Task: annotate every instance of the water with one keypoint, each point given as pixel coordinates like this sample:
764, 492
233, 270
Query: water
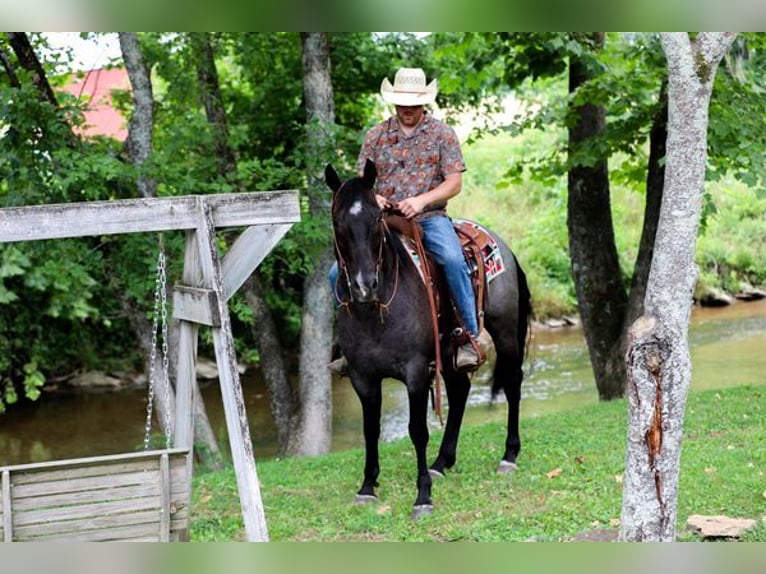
727, 347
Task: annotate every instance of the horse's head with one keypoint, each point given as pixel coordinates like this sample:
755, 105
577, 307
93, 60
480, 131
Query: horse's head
358, 226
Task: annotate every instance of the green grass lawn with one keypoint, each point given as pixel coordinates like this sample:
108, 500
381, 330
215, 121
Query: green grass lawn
569, 480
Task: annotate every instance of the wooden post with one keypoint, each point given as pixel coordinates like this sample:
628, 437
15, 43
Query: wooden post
231, 390
7, 508
186, 371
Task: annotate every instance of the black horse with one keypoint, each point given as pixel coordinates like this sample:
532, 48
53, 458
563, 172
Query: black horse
386, 330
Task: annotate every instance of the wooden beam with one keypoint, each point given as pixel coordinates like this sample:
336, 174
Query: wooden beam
250, 248
56, 221
237, 423
196, 305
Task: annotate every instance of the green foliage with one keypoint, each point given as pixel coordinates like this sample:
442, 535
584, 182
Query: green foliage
569, 481
732, 249
57, 299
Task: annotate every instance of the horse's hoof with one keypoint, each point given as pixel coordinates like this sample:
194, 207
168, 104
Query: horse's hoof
421, 510
365, 498
435, 473
506, 467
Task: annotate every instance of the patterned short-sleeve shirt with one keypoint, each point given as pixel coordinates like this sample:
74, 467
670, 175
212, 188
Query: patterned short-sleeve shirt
410, 165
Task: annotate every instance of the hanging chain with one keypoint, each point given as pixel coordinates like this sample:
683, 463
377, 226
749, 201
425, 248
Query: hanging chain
160, 313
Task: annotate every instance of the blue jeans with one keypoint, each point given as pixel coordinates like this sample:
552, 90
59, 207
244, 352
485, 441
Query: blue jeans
440, 240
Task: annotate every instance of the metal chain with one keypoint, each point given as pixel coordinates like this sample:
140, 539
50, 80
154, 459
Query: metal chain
160, 313
165, 370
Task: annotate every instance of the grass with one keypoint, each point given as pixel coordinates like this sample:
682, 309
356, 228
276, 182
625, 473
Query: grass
569, 481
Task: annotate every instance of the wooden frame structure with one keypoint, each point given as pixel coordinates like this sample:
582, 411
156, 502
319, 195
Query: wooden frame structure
201, 299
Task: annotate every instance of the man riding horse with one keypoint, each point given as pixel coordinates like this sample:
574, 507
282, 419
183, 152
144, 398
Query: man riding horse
419, 167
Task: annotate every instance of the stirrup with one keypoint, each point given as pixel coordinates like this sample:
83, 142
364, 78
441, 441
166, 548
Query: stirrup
468, 355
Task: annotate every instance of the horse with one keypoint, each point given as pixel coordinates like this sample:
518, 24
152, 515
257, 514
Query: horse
386, 331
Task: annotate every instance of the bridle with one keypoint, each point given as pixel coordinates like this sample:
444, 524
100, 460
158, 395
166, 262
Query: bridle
343, 267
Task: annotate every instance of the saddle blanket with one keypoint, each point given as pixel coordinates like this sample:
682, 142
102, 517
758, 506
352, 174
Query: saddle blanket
493, 259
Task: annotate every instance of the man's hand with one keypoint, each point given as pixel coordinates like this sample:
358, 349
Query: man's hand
411, 206
383, 203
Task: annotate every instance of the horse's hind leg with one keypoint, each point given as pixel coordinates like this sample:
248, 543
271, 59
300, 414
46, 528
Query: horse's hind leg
370, 395
457, 386
508, 369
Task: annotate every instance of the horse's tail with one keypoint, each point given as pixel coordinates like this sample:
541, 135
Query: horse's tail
523, 329
526, 313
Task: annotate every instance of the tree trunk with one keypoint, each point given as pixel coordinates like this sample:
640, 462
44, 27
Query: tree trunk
281, 396
272, 364
658, 362
601, 297
655, 178
314, 423
13, 79
210, 90
139, 148
28, 60
141, 124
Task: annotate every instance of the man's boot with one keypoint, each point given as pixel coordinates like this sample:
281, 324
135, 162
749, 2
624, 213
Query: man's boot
469, 354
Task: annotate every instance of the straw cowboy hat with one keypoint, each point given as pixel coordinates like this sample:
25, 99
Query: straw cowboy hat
409, 88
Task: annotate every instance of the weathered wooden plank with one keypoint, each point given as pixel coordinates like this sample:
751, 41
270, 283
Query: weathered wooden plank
250, 248
84, 525
7, 509
86, 496
31, 476
93, 461
231, 390
178, 475
139, 532
88, 483
196, 305
55, 221
95, 510
164, 499
186, 376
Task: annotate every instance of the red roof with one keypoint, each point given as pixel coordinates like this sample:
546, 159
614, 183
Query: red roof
100, 117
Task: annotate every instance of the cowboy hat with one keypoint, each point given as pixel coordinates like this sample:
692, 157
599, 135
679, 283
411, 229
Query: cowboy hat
409, 88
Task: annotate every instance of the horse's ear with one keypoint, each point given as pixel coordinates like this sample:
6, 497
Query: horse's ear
331, 178
370, 173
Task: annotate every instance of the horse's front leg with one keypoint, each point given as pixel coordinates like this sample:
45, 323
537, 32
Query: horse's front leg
418, 428
458, 386
370, 396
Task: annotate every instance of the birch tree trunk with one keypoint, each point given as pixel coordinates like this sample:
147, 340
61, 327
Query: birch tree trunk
313, 433
657, 360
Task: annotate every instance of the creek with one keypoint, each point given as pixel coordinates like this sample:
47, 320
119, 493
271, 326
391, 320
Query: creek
727, 347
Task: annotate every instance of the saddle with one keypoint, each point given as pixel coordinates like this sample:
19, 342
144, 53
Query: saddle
481, 253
